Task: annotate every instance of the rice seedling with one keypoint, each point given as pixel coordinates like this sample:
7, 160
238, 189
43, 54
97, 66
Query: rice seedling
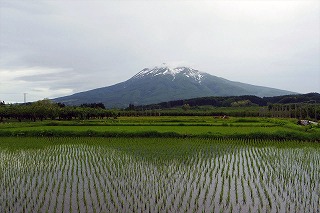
158, 175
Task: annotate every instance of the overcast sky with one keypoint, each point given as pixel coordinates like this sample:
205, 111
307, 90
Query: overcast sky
55, 48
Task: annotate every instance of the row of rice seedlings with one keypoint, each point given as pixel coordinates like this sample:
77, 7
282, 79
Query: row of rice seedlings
233, 176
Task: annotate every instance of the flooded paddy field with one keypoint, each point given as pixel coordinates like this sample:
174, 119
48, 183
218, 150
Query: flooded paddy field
158, 175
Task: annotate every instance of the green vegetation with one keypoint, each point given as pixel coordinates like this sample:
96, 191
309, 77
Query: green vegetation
293, 106
46, 109
165, 126
158, 175
243, 100
98, 160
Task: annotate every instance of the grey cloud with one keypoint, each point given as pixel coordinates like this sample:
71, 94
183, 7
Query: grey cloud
60, 76
105, 42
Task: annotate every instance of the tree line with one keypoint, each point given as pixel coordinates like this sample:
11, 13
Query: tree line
238, 106
300, 106
245, 100
46, 109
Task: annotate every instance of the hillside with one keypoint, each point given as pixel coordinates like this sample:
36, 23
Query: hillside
247, 100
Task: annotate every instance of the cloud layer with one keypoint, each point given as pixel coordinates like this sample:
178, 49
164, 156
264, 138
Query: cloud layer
55, 48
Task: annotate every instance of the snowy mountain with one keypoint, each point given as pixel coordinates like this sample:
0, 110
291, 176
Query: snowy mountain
158, 84
161, 71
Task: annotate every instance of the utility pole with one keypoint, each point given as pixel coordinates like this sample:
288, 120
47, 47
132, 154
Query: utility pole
25, 97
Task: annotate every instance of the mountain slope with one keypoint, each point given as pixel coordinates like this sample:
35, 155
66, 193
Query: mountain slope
164, 84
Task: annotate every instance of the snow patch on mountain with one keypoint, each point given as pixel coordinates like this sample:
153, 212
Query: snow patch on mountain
174, 72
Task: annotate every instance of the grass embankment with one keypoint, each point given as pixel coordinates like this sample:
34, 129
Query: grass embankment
174, 127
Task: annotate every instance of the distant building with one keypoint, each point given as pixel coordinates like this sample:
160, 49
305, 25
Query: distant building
306, 122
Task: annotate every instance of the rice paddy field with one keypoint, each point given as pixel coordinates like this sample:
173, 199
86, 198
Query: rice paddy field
165, 126
158, 175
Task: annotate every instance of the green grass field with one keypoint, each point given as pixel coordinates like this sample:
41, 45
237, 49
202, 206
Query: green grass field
184, 126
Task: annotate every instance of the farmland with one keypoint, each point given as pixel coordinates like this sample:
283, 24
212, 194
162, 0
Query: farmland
158, 175
160, 164
166, 126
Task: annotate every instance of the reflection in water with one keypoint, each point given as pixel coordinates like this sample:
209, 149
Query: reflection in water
187, 175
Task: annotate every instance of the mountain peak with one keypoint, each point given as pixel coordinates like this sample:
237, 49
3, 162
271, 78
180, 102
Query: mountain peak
165, 83
172, 71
